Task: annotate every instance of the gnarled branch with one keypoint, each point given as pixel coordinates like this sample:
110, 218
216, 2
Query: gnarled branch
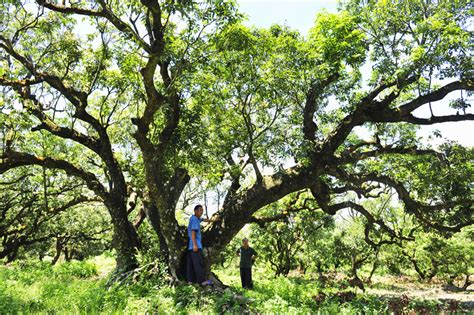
12, 159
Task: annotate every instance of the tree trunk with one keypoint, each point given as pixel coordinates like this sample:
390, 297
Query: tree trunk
153, 217
356, 281
467, 282
59, 247
10, 249
375, 265
164, 192
12, 255
421, 273
171, 235
68, 254
125, 238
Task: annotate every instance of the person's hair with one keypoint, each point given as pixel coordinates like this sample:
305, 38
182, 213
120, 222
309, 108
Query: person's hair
197, 207
245, 239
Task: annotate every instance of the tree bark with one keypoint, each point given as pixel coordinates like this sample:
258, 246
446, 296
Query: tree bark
125, 238
59, 247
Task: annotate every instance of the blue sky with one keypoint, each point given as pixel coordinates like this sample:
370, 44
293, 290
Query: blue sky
300, 15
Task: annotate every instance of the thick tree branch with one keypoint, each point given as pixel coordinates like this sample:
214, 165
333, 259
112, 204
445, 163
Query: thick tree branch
289, 208
19, 83
172, 120
240, 206
348, 157
368, 108
437, 119
77, 98
465, 84
48, 124
69, 10
140, 218
418, 208
176, 184
254, 163
79, 101
372, 220
235, 175
315, 91
155, 26
403, 113
365, 192
154, 101
13, 159
74, 202
355, 147
246, 102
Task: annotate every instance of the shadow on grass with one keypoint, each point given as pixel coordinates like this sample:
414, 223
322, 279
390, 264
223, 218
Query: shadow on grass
389, 287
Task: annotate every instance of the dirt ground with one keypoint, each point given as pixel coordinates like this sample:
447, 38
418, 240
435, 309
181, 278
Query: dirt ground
405, 286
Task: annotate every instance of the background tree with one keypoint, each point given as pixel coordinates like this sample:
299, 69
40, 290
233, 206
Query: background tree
282, 240
48, 215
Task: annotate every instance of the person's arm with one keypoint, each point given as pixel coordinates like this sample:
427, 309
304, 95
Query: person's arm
254, 254
238, 252
193, 237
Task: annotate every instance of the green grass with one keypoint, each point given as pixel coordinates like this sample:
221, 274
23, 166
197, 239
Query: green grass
80, 288
296, 295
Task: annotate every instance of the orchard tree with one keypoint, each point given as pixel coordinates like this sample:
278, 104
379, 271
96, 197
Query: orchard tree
434, 256
42, 214
142, 96
286, 232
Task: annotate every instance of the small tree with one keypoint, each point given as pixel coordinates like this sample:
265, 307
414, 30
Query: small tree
283, 241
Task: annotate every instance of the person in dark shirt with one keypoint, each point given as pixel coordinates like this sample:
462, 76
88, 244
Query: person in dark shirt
247, 256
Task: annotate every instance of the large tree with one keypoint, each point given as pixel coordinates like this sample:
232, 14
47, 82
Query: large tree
142, 96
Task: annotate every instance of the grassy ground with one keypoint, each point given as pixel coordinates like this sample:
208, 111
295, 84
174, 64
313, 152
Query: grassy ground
81, 287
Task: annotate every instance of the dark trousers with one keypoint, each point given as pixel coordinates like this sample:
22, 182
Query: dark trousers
246, 278
195, 267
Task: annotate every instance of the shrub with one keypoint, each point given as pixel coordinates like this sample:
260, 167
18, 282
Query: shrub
79, 269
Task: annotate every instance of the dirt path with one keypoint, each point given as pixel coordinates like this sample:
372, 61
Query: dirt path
398, 287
